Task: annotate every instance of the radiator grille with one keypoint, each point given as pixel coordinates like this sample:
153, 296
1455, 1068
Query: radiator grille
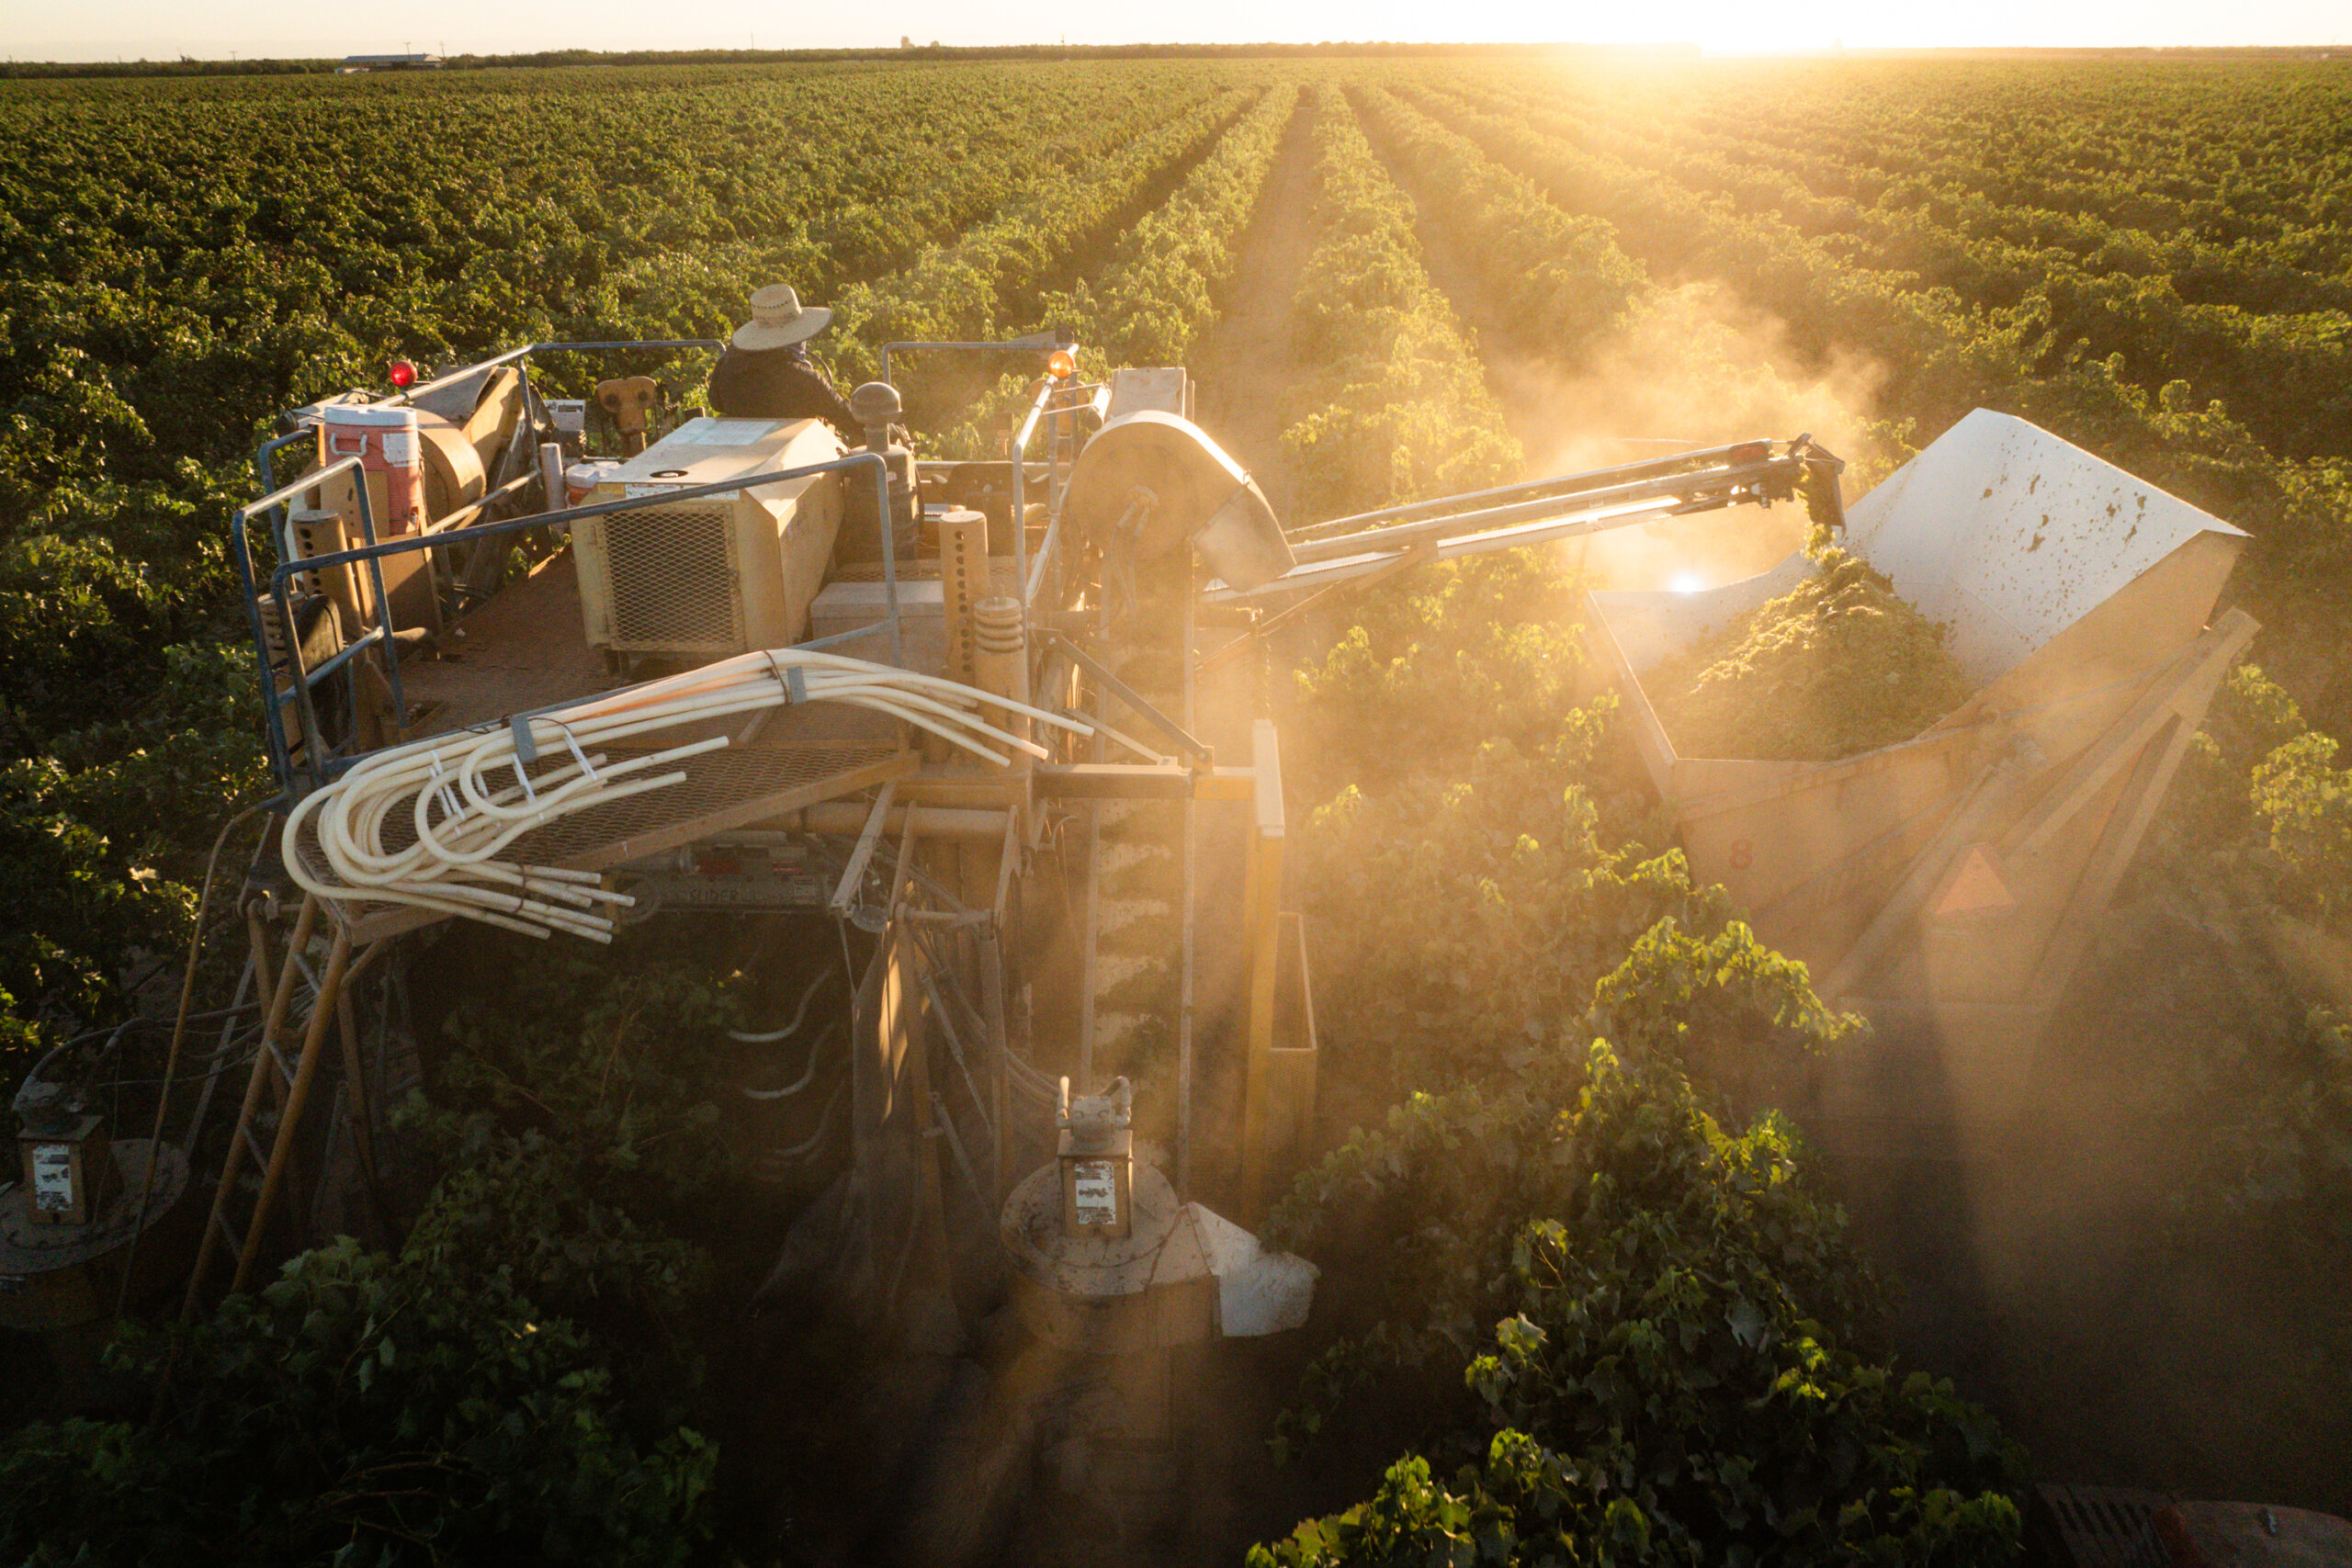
672, 579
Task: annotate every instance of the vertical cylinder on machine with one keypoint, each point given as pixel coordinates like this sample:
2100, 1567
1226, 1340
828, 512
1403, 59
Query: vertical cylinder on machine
877, 407
963, 584
1000, 654
1000, 645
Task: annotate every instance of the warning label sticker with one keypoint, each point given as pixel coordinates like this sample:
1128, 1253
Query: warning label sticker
54, 1176
1095, 1191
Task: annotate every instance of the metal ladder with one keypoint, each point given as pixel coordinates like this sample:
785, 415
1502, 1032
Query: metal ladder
287, 1087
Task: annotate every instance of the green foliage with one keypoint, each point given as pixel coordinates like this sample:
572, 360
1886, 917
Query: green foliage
1500, 909
2244, 1083
573, 1123
156, 775
1397, 410
85, 914
529, 1205
1529, 1505
519, 1382
1839, 664
1147, 303
367, 1411
1678, 1370
2129, 256
120, 752
2212, 803
103, 838
79, 621
2025, 195
985, 283
613, 1062
1561, 277
1460, 781
1468, 1169
2270, 1114
2305, 801
2208, 1047
1440, 663
1152, 301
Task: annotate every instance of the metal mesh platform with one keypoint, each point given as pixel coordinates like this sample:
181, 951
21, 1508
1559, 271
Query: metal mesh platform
722, 790
525, 648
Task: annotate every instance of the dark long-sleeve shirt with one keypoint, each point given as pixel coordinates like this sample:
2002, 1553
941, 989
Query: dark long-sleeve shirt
778, 383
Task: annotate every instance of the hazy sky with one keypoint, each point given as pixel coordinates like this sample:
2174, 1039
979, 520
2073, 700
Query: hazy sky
99, 29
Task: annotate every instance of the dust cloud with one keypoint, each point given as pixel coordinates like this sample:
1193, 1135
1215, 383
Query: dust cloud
1694, 366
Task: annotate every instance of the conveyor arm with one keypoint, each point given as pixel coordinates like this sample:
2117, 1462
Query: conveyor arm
1542, 510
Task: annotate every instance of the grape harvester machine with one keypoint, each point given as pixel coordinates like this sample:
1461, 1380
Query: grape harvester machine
555, 664
976, 750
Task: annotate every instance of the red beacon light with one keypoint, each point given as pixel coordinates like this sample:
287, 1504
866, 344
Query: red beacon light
403, 373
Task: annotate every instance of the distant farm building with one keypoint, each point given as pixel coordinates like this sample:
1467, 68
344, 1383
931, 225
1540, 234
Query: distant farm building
355, 63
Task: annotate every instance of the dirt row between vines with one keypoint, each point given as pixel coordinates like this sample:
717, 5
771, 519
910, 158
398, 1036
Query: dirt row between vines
1244, 366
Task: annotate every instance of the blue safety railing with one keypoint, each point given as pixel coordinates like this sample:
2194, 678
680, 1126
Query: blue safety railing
385, 633
1055, 417
1055, 404
667, 344
241, 548
1045, 341
317, 766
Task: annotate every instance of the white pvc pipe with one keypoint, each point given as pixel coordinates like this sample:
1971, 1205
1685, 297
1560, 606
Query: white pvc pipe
462, 821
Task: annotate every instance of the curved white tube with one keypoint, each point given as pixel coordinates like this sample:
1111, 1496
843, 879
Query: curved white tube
463, 820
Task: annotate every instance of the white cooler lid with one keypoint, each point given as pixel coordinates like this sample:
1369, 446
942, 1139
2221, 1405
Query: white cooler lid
370, 416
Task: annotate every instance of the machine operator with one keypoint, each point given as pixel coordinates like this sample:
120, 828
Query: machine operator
765, 371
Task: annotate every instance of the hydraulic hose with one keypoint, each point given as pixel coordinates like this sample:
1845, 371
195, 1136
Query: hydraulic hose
769, 1037
816, 1050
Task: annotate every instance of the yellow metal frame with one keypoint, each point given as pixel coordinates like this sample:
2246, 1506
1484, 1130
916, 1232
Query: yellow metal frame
1261, 914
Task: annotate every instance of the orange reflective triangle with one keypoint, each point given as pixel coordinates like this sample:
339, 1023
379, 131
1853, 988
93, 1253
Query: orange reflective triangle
1978, 887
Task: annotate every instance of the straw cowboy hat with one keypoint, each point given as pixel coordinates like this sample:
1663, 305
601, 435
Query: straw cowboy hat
779, 319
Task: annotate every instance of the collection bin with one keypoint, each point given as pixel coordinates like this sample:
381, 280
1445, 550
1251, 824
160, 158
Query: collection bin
1948, 886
